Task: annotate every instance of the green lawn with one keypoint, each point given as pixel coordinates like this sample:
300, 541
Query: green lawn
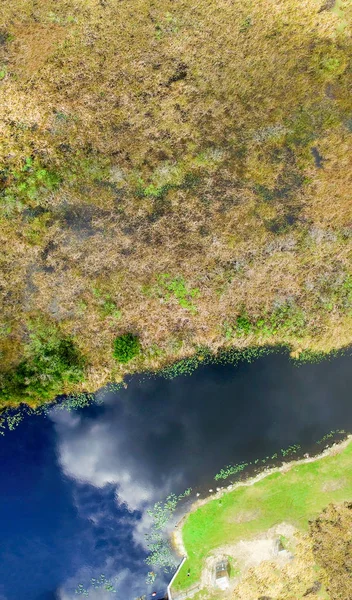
295, 497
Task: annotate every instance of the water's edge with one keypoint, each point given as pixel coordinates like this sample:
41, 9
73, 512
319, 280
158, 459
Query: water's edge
176, 537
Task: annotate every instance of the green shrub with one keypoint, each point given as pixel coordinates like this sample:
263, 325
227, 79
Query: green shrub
288, 318
243, 325
51, 362
126, 347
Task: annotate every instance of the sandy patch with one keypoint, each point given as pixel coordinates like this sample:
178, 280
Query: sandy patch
244, 516
333, 485
250, 553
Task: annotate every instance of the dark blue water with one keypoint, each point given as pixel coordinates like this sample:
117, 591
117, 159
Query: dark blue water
76, 486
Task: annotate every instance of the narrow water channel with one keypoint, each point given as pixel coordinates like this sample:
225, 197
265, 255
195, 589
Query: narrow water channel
76, 486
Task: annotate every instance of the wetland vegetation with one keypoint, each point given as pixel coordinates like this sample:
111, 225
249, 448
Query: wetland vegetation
173, 175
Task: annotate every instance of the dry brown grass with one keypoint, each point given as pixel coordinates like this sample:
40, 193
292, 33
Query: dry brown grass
107, 94
285, 582
332, 540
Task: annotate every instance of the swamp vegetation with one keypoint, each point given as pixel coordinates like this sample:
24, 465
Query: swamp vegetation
175, 173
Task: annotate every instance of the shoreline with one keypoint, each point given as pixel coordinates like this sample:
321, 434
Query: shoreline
186, 365
176, 536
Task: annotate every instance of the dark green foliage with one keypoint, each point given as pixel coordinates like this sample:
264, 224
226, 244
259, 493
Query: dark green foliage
280, 225
264, 193
302, 130
51, 362
243, 325
153, 190
126, 347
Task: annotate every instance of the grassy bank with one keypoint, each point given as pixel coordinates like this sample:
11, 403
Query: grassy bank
173, 173
294, 496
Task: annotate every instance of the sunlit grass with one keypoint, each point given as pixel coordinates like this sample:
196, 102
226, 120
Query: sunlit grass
294, 497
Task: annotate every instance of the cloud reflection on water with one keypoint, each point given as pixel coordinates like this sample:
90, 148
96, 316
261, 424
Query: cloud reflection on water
100, 452
159, 437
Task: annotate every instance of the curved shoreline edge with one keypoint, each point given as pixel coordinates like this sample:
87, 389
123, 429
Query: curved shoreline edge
176, 537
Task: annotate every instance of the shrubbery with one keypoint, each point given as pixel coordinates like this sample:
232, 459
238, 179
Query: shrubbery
126, 347
52, 361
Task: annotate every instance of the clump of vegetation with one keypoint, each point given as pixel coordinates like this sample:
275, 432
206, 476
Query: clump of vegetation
290, 450
230, 470
26, 186
51, 364
244, 326
203, 356
160, 553
107, 307
285, 319
226, 472
13, 421
126, 347
151, 577
96, 583
177, 287
332, 434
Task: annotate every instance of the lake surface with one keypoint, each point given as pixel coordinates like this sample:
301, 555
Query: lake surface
76, 486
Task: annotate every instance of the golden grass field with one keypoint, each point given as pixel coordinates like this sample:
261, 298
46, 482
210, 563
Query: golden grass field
180, 171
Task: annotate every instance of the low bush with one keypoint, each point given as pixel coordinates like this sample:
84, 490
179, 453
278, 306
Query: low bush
126, 347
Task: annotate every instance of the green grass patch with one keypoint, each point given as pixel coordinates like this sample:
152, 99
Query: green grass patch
106, 306
26, 186
295, 497
180, 175
177, 287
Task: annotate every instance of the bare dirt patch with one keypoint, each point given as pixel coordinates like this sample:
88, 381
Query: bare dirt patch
333, 485
247, 554
244, 516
